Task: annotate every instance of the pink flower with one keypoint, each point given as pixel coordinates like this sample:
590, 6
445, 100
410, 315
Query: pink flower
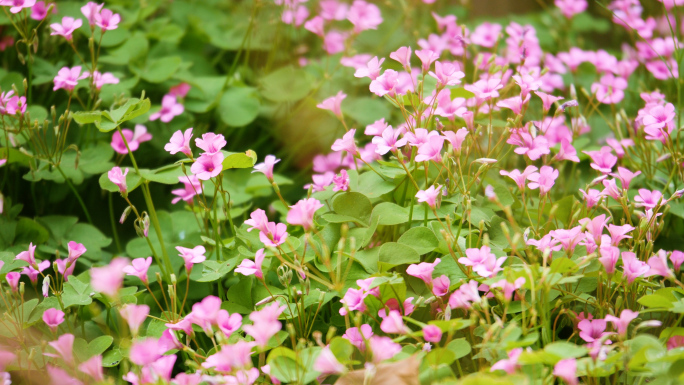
205, 313
618, 233
621, 324
13, 280
456, 139
231, 357
63, 269
370, 70
677, 258
603, 160
432, 333
611, 189
447, 74
544, 179
302, 213
135, 315
385, 84
191, 187
33, 273
191, 256
67, 78
547, 242
476, 256
592, 330
170, 108
632, 267
346, 143
610, 89
341, 181
440, 286
486, 34
265, 323
316, 25
144, 351
327, 363
359, 338
447, 107
485, 89
334, 42
295, 15
353, 301
388, 141
609, 256
53, 318
187, 379
659, 122
180, 90
333, 10
211, 143
427, 57
64, 347
107, 20
118, 178
514, 104
510, 364
591, 197
39, 11
75, 251
333, 104
208, 166
258, 221
403, 56
364, 16
228, 323
168, 341
93, 368
430, 195
138, 268
248, 267
90, 11
567, 152
625, 176
28, 256
57, 376
658, 266
267, 166
431, 150
648, 199
108, 279
567, 370
383, 348
132, 138
508, 287
547, 100
533, 147
518, 177
100, 79
17, 5
423, 270
275, 236
569, 8
180, 142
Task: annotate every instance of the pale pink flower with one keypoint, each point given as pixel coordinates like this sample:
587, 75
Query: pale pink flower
618, 233
510, 364
430, 195
248, 267
12, 279
302, 213
107, 20
333, 104
427, 57
53, 318
57, 376
353, 301
465, 296
28, 256
569, 238
90, 11
144, 351
33, 273
403, 56
509, 288
327, 363
591, 197
275, 236
393, 323
64, 347
267, 166
191, 187
109, 278
205, 313
423, 270
138, 268
66, 28
67, 78
543, 180
346, 143
135, 315
611, 189
388, 141
592, 330
231, 357
333, 42
567, 370
447, 107
514, 104
547, 100
432, 333
208, 166
431, 150
39, 11
532, 147
625, 176
677, 258
610, 89
316, 25
447, 74
659, 122
295, 15
545, 243
602, 160
265, 323
485, 89
609, 255
359, 335
371, 69
211, 143
180, 142
456, 139
567, 152
569, 8
100, 79
341, 181
191, 256
658, 266
93, 368
648, 199
385, 84
258, 220
632, 267
518, 177
133, 138
228, 323
440, 286
486, 34
118, 178
621, 324
364, 16
170, 108
383, 348
333, 10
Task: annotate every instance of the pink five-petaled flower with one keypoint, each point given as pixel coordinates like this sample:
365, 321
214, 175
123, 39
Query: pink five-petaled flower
618, 233
341, 181
508, 288
134, 315
66, 28
659, 121
170, 108
180, 142
647, 198
75, 250
107, 20
658, 266
485, 89
429, 196
208, 166
543, 180
592, 330
302, 213
258, 220
431, 150
359, 335
90, 11
39, 11
248, 267
275, 234
427, 57
621, 324
432, 333
403, 56
602, 160
133, 138
371, 70
13, 280
138, 268
267, 166
567, 370
333, 104
388, 141
64, 347
53, 318
191, 256
228, 323
108, 279
610, 89
265, 323
364, 16
518, 177
440, 286
67, 78
393, 323
510, 364
633, 267
609, 255
327, 363
547, 100
677, 258
191, 187
33, 273
625, 176
383, 348
144, 351
476, 256
569, 8
17, 5
100, 79
346, 143
447, 74
118, 178
28, 256
456, 139
385, 84
423, 270
230, 357
211, 143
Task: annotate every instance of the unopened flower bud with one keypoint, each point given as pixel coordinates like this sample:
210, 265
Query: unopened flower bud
124, 215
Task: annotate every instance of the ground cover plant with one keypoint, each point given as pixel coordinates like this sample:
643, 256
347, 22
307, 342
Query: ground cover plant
341, 192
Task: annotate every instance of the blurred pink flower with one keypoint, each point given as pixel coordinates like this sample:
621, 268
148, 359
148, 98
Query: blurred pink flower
440, 286
621, 324
248, 267
346, 143
191, 187
388, 141
518, 177
427, 57
138, 268
13, 280
135, 315
485, 89
133, 138
144, 351
371, 69
267, 166
364, 16
191, 256
610, 89
100, 79
510, 364
170, 108
333, 104
567, 370
93, 368
658, 266
648, 199
632, 267
341, 181
602, 160
383, 348
228, 323
64, 347
385, 84
28, 256
357, 337
90, 11
543, 180
109, 278
327, 363
107, 20
423, 270
67, 78
53, 318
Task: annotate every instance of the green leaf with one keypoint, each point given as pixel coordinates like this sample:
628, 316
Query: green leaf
87, 117
460, 347
564, 350
90, 236
240, 160
287, 84
214, 270
239, 106
99, 345
354, 205
440, 356
241, 294
135, 47
164, 175
112, 358
29, 230
461, 92
656, 300
390, 214
366, 110
421, 239
161, 69
342, 349
395, 254
285, 369
14, 156
373, 185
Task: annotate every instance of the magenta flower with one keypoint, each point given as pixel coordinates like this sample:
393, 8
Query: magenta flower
591, 197
180, 142
191, 187
100, 79
170, 109
53, 318
28, 256
621, 324
592, 330
427, 57
39, 10
67, 78
135, 315
359, 335
385, 84
341, 181
208, 166
518, 177
90, 11
423, 270
211, 143
609, 256
107, 20
13, 280
388, 141
544, 179
658, 266
432, 333
191, 256
327, 363
346, 143
569, 238
431, 150
333, 104
659, 122
66, 28
248, 267
364, 16
632, 267
205, 312
430, 195
353, 301
486, 35
133, 138
93, 368
267, 166
567, 370
371, 69
138, 268
258, 221
33, 273
603, 160
648, 199
611, 189
17, 5
75, 251
302, 213
485, 89
64, 347
403, 56
393, 323
476, 256
677, 258
625, 176
610, 89
440, 286
465, 296
275, 236
118, 178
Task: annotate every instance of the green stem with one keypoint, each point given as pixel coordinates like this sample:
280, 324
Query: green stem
78, 196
